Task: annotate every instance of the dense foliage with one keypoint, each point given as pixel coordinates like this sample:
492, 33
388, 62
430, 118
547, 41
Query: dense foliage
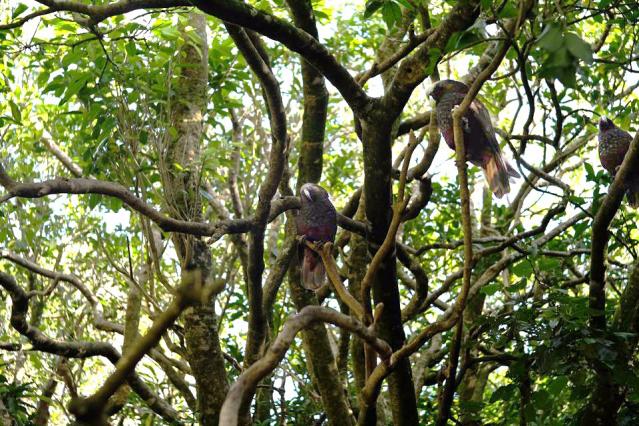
150, 155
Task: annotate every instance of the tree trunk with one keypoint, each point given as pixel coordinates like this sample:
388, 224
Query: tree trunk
181, 187
319, 355
607, 396
376, 136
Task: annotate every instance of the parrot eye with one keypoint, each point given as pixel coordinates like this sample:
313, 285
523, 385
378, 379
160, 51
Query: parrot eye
307, 194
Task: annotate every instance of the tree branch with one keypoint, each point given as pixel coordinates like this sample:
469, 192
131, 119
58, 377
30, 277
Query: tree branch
100, 12
248, 380
192, 290
25, 19
63, 157
44, 343
256, 57
600, 235
460, 305
299, 41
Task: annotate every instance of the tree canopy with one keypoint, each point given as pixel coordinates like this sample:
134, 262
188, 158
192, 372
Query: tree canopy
151, 155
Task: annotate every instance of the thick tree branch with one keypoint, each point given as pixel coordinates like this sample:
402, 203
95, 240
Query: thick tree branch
299, 41
417, 67
316, 98
92, 186
600, 235
386, 293
100, 12
214, 230
255, 56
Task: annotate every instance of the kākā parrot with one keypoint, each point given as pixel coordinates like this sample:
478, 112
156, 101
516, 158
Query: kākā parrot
317, 221
480, 140
613, 146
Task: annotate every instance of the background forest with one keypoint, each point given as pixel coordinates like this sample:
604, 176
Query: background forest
151, 155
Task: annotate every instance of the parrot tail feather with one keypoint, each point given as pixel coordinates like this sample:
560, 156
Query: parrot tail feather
498, 173
313, 273
511, 171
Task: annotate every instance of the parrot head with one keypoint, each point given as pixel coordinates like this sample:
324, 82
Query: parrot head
605, 124
311, 193
445, 86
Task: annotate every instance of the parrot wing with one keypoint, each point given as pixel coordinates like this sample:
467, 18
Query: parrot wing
482, 116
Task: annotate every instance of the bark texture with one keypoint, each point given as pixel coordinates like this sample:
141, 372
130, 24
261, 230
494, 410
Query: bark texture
181, 188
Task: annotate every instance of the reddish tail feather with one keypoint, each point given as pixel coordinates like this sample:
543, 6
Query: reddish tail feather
498, 173
313, 273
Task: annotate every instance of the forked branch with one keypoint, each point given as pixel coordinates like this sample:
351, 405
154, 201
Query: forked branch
247, 382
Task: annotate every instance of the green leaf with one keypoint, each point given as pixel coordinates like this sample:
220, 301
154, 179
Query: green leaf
522, 269
406, 4
578, 47
568, 76
560, 58
468, 38
551, 38
577, 200
461, 40
503, 393
18, 10
321, 16
452, 42
94, 200
114, 204
433, 56
15, 112
392, 13
518, 286
371, 7
590, 172
557, 385
70, 58
490, 289
508, 11
73, 88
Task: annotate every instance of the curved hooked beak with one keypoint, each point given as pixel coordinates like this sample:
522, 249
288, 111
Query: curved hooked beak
604, 121
307, 194
430, 90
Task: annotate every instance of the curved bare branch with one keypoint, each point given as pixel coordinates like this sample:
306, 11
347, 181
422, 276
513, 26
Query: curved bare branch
248, 380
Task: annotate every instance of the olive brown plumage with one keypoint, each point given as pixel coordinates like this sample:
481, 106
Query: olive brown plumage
613, 147
480, 140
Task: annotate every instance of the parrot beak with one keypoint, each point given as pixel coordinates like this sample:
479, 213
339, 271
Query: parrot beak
307, 194
605, 122
437, 90
430, 90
